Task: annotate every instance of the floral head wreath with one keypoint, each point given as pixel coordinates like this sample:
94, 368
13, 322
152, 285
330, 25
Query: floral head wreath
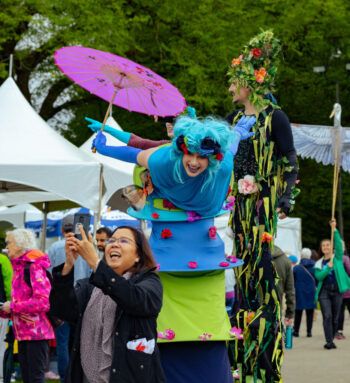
256, 67
207, 148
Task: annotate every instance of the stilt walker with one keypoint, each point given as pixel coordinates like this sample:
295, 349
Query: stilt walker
265, 171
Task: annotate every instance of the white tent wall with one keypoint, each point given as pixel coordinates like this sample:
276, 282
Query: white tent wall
18, 215
32, 153
289, 235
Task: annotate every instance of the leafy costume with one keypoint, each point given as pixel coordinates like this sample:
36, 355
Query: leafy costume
265, 171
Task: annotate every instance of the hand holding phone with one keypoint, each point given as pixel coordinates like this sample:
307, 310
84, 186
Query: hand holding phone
84, 220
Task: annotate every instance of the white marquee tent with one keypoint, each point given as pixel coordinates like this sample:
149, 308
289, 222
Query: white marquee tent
35, 158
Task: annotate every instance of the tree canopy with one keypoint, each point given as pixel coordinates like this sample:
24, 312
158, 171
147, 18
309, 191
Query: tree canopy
191, 44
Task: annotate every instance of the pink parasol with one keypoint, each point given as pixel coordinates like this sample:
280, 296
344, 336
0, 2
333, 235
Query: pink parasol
120, 81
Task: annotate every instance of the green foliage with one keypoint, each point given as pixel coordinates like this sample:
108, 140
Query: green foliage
192, 44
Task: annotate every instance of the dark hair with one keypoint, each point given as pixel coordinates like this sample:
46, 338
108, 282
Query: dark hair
105, 230
320, 252
144, 251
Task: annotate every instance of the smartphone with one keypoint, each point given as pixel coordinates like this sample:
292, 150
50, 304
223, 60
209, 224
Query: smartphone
83, 219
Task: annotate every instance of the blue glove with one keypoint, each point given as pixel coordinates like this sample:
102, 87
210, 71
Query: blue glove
96, 126
122, 153
241, 132
243, 126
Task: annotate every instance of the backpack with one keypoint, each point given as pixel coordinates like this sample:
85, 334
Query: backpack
55, 322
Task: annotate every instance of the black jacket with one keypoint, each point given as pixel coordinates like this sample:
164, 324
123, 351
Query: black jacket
139, 302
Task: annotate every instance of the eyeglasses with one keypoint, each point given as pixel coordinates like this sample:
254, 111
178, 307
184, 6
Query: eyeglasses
120, 241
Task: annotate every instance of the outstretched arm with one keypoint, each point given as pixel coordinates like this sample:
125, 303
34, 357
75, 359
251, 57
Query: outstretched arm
128, 138
123, 153
96, 126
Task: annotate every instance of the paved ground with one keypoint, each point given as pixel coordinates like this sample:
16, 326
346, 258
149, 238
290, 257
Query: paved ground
309, 362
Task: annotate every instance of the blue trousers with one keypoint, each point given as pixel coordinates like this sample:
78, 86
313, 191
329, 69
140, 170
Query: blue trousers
62, 348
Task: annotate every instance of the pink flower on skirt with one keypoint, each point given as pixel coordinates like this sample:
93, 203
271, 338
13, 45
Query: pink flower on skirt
247, 185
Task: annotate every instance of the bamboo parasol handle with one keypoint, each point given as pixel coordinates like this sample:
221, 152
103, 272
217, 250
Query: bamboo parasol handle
116, 89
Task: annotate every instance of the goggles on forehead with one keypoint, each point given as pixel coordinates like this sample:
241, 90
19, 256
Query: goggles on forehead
207, 148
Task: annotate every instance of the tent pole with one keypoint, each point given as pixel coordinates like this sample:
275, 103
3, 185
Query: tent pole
11, 65
97, 217
43, 232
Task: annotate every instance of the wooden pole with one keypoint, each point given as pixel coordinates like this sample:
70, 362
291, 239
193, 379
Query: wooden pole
107, 112
335, 178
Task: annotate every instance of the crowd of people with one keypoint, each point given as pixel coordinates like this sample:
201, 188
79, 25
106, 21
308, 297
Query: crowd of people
123, 296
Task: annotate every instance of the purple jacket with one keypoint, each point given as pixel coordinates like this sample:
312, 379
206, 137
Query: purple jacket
346, 261
30, 305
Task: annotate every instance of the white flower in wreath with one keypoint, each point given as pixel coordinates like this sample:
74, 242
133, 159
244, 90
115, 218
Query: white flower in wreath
247, 185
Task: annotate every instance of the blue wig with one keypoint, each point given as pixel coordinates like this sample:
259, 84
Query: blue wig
194, 132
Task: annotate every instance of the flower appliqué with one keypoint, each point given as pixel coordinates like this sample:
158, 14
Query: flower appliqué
168, 334
229, 203
235, 374
260, 75
166, 233
236, 332
192, 265
237, 61
192, 216
224, 264
204, 336
250, 316
267, 237
155, 215
232, 258
212, 232
256, 52
247, 185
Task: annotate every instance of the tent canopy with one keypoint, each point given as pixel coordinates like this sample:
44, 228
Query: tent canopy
33, 156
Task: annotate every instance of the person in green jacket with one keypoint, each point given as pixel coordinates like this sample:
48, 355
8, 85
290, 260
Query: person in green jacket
5, 295
332, 282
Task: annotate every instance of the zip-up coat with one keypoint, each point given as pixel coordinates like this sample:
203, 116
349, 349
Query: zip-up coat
305, 284
30, 305
321, 272
139, 300
285, 284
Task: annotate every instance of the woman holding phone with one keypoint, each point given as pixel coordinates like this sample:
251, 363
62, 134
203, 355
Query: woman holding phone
115, 310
